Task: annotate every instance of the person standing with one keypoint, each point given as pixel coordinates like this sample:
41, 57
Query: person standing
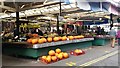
113, 36
118, 36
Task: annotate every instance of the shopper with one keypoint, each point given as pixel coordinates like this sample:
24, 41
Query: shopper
118, 35
113, 36
39, 32
102, 31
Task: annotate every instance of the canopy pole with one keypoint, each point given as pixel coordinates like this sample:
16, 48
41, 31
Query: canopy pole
58, 18
111, 21
17, 22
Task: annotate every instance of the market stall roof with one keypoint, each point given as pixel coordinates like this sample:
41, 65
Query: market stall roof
48, 8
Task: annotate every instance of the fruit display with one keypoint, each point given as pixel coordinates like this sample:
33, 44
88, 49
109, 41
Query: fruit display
77, 52
37, 40
54, 56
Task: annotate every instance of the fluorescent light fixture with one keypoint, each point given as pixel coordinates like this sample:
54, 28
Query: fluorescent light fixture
22, 6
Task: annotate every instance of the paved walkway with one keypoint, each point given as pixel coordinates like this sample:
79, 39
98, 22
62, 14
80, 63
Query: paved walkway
95, 56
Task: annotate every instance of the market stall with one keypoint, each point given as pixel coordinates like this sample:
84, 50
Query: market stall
36, 50
102, 40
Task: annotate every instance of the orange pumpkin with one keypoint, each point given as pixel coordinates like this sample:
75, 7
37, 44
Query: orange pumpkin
35, 35
29, 40
58, 50
54, 58
34, 41
78, 51
44, 57
51, 53
56, 54
56, 39
65, 55
40, 41
44, 40
49, 39
60, 56
70, 37
75, 37
60, 38
64, 38
48, 59
49, 56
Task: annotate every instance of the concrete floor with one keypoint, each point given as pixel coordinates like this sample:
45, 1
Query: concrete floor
91, 54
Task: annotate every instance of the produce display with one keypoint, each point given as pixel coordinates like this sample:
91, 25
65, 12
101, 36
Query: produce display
54, 56
47, 44
37, 40
77, 52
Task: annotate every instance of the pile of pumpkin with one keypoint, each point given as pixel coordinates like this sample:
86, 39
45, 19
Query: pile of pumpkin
77, 52
54, 56
50, 39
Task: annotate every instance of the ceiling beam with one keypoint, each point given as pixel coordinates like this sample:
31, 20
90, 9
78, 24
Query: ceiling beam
39, 6
8, 8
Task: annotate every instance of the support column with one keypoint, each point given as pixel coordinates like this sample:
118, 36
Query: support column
58, 31
17, 24
111, 21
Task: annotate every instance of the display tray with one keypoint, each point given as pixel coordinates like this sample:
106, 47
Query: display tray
36, 46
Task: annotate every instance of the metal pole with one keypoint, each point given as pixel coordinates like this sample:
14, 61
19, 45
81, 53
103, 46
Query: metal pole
111, 21
58, 31
17, 21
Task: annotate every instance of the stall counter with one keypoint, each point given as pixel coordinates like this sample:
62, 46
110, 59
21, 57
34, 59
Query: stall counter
36, 50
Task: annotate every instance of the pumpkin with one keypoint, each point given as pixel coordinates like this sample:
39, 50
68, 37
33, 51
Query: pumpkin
70, 37
44, 57
76, 37
65, 55
49, 39
60, 56
49, 56
58, 50
34, 41
78, 51
29, 40
44, 40
64, 38
51, 53
56, 39
35, 35
56, 54
60, 38
48, 59
40, 41
61, 53
54, 58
